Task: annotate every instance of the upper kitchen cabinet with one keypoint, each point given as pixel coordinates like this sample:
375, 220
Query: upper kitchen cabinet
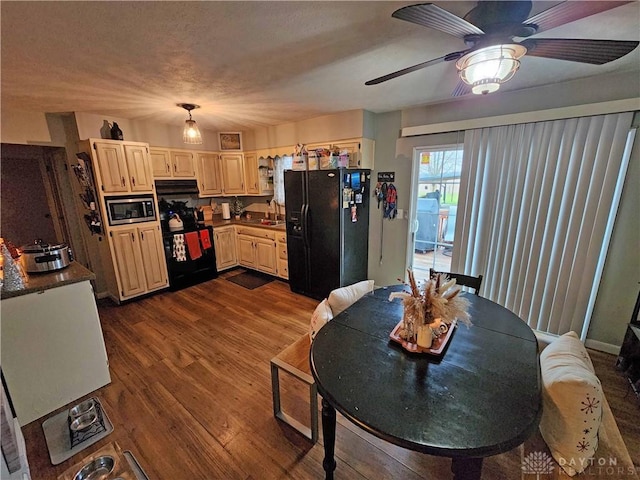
121, 166
160, 162
232, 173
361, 150
183, 164
209, 174
167, 163
258, 173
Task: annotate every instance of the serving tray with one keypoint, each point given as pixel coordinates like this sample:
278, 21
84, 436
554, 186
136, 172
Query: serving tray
437, 347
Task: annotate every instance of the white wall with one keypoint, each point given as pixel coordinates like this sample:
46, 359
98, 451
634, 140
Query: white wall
24, 128
339, 126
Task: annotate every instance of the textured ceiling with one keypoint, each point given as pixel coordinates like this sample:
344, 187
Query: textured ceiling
250, 64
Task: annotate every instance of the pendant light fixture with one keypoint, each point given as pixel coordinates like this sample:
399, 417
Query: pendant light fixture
191, 134
487, 68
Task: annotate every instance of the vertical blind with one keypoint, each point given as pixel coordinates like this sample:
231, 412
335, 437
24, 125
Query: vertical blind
536, 206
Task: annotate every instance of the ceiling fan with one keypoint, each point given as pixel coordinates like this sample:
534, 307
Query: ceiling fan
489, 29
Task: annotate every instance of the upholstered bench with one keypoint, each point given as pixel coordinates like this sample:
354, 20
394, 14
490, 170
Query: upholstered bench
295, 358
578, 435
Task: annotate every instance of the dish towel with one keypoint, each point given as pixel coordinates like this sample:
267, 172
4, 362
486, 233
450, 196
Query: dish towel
193, 245
179, 253
205, 239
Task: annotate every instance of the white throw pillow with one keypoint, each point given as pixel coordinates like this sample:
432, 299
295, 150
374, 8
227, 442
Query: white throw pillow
572, 403
321, 315
342, 298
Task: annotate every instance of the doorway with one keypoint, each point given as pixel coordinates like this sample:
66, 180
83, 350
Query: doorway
435, 186
31, 206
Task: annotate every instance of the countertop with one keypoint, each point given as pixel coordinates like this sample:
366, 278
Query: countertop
254, 222
37, 282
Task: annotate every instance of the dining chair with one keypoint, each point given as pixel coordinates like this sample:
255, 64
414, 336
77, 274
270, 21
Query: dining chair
461, 279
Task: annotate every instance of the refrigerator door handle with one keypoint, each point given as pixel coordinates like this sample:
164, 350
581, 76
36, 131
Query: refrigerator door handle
305, 224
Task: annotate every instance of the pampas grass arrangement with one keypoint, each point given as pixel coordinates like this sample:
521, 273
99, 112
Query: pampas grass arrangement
438, 302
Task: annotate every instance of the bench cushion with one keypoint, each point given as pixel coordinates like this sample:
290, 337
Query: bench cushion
572, 403
342, 298
321, 315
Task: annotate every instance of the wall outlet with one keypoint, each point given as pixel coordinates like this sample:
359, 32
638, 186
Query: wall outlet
400, 213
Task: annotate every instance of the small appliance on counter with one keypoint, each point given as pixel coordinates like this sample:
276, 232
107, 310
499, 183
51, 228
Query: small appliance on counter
41, 257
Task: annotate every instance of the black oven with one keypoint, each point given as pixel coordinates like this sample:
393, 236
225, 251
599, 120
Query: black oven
185, 270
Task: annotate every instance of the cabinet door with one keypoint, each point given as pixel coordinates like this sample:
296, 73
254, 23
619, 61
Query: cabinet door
153, 259
183, 164
112, 166
209, 174
128, 261
251, 176
246, 251
225, 246
232, 173
160, 162
266, 255
139, 168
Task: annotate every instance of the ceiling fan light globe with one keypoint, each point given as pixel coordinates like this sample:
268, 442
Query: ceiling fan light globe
483, 87
485, 69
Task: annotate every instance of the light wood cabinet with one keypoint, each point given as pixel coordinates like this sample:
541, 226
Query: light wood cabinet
251, 174
258, 174
128, 259
123, 166
139, 259
232, 173
139, 168
183, 164
160, 162
283, 257
112, 167
168, 163
209, 174
153, 259
257, 249
224, 239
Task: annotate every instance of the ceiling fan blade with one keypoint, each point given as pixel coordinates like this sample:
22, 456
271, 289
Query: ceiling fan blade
568, 11
432, 16
461, 89
595, 52
446, 58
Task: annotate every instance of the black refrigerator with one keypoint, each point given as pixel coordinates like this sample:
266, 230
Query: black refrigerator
327, 217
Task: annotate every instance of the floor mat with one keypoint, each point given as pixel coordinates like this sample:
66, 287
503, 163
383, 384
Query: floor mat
250, 280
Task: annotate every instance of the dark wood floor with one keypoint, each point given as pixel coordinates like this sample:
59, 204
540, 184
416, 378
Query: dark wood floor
191, 395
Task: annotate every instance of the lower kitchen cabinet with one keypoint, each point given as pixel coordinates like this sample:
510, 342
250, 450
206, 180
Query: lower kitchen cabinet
257, 249
153, 259
283, 258
224, 239
139, 259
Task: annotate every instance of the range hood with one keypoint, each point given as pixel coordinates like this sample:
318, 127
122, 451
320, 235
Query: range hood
176, 187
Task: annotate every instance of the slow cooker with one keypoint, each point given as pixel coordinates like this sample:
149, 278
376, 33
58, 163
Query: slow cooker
41, 257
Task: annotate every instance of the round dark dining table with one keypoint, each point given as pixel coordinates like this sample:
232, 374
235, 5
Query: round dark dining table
480, 397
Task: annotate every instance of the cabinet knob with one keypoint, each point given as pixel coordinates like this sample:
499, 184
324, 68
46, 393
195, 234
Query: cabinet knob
133, 181
175, 167
122, 180
133, 238
167, 165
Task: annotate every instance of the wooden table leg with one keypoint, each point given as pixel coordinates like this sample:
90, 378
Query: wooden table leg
466, 468
329, 438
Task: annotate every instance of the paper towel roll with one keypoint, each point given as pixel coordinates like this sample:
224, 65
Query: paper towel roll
226, 213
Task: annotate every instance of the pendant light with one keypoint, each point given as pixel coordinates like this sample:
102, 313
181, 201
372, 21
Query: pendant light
191, 134
487, 68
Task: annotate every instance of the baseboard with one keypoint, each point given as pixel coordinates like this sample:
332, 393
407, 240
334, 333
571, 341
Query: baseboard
602, 347
101, 295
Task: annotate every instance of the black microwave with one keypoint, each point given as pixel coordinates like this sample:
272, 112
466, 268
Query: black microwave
125, 210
